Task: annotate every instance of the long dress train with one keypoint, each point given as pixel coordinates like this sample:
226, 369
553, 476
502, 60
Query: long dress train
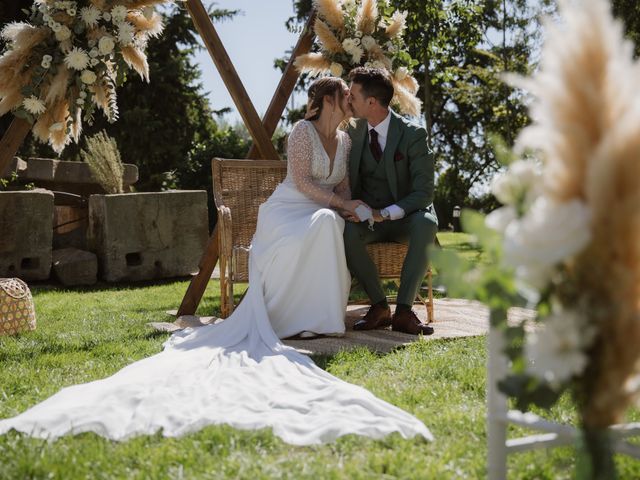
237, 372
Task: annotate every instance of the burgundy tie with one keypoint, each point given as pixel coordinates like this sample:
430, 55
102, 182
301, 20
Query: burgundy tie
374, 145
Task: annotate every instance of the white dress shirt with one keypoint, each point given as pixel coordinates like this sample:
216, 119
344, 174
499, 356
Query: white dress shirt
395, 212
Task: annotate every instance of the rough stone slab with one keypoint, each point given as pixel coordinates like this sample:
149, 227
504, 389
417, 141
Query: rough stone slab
26, 222
60, 171
75, 267
143, 236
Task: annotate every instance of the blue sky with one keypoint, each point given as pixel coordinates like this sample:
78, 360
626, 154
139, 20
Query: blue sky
253, 40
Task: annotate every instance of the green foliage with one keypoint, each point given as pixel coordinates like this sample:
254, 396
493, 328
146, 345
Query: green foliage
628, 12
103, 157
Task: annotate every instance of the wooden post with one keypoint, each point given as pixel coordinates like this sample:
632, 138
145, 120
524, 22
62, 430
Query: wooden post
11, 142
198, 284
287, 83
212, 41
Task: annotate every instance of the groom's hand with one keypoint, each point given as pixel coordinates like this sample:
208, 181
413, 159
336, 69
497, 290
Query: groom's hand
348, 210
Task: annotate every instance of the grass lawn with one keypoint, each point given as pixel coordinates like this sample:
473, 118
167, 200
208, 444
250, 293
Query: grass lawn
87, 334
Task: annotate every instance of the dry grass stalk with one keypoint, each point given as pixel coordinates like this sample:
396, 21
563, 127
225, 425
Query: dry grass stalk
136, 60
103, 157
328, 40
366, 17
397, 25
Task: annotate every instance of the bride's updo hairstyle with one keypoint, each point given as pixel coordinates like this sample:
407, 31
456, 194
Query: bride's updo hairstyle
331, 86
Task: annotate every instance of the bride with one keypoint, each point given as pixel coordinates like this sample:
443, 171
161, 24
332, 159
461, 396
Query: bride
237, 372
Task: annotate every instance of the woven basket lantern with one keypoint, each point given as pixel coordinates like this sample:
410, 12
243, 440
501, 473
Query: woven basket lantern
17, 313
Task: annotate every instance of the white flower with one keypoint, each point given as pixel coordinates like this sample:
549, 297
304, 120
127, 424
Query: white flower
106, 45
336, 69
72, 12
55, 26
90, 15
80, 101
93, 62
83, 94
46, 61
349, 5
106, 16
63, 33
118, 13
94, 52
349, 44
77, 59
56, 127
368, 42
512, 186
377, 64
547, 234
88, 77
401, 73
125, 33
500, 218
33, 105
557, 350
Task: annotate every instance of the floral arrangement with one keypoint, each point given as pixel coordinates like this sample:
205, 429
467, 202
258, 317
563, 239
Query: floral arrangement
567, 238
68, 60
367, 33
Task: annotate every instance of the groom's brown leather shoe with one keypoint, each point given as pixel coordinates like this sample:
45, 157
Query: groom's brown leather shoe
378, 316
406, 321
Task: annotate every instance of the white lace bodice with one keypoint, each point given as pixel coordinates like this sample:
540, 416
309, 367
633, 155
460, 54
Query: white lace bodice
309, 166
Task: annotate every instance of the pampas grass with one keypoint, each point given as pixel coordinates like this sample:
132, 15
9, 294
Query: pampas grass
103, 157
136, 60
587, 129
312, 63
330, 10
366, 17
328, 40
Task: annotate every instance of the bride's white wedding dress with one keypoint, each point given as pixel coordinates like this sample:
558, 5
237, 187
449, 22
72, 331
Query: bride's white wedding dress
237, 372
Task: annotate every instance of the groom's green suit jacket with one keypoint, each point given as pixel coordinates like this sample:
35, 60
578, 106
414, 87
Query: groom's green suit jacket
408, 163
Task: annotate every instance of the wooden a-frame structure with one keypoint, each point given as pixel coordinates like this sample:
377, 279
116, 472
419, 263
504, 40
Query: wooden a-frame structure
261, 130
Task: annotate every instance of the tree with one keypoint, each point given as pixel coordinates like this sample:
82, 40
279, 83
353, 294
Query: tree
628, 11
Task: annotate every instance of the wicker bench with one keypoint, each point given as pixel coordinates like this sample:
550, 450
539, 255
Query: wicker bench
239, 188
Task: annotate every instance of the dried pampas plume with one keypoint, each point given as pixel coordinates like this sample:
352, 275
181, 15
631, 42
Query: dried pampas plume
312, 63
366, 17
407, 101
136, 60
587, 128
327, 39
330, 11
103, 157
397, 25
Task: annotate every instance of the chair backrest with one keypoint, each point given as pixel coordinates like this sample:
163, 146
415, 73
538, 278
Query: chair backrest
243, 185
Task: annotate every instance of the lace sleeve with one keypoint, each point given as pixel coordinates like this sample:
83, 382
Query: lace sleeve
300, 158
343, 189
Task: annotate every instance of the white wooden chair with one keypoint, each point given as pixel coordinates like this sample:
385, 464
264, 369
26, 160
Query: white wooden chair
554, 434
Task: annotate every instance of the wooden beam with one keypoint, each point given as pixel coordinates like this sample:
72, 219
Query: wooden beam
223, 63
287, 82
198, 284
11, 142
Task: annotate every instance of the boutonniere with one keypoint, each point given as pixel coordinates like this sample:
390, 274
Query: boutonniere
398, 157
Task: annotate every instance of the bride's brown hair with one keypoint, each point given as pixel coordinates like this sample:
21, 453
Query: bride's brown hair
331, 86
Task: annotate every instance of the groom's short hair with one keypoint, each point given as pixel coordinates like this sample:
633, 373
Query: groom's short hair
375, 82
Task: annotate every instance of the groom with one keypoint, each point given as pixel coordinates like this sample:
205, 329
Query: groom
391, 170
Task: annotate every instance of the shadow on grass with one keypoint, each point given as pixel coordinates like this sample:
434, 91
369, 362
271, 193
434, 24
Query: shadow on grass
47, 286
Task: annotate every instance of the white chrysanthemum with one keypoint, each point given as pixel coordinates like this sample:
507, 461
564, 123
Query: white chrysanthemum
546, 235
63, 33
76, 59
125, 33
368, 42
106, 45
557, 350
349, 44
88, 77
336, 69
90, 16
118, 13
33, 105
352, 47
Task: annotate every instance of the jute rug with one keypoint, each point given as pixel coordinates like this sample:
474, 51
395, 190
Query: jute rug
453, 318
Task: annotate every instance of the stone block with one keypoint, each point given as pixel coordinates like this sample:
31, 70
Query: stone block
26, 222
143, 236
75, 267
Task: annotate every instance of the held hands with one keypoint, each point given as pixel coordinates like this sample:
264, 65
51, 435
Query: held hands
348, 210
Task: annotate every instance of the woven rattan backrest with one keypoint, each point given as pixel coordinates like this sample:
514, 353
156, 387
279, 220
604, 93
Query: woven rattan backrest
242, 185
